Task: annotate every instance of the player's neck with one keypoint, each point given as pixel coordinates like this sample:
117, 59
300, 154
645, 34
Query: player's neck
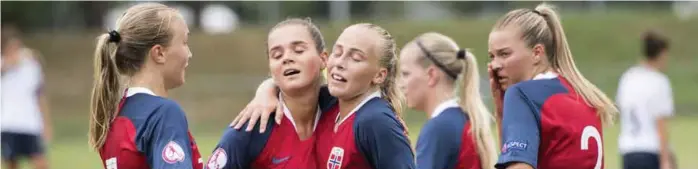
440, 95
349, 104
303, 105
150, 81
652, 65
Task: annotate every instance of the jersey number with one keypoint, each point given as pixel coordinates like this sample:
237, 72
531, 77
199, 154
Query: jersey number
110, 163
591, 131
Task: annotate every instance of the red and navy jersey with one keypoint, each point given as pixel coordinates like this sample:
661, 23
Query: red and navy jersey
369, 137
150, 132
445, 141
547, 125
278, 147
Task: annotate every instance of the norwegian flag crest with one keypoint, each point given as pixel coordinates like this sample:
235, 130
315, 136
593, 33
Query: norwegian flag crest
335, 160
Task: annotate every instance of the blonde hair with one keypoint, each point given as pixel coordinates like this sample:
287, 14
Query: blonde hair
445, 51
123, 52
543, 26
388, 59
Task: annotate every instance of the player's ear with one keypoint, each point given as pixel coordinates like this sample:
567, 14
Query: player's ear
538, 53
323, 57
380, 76
432, 76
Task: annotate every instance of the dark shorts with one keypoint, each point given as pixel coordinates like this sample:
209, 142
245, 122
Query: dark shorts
18, 145
641, 160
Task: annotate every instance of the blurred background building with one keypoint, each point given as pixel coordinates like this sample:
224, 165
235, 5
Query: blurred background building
229, 62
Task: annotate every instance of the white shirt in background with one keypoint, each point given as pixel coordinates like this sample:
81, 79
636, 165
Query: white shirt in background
644, 95
19, 104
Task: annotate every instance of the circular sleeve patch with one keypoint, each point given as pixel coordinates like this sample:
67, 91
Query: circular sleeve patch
173, 153
218, 159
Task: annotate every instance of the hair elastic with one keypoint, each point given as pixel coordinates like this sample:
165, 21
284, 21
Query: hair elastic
461, 54
114, 36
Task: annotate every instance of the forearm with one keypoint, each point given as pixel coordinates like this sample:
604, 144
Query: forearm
664, 153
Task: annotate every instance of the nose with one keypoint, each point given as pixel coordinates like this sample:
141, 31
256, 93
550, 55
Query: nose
288, 60
496, 65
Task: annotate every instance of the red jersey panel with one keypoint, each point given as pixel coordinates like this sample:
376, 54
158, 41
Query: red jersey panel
547, 125
150, 132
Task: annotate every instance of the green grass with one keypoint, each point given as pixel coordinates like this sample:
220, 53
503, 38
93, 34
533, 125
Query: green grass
226, 69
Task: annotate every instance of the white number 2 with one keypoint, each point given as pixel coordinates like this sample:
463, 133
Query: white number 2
591, 131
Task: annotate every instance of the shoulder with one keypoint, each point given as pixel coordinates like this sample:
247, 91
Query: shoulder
448, 124
536, 91
375, 110
152, 108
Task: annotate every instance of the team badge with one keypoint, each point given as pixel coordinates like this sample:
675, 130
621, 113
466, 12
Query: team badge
218, 159
335, 160
173, 153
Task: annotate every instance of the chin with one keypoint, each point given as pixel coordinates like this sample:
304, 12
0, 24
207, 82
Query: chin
336, 92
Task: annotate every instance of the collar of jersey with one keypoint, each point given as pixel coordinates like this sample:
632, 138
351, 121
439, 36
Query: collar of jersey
451, 103
546, 75
135, 90
288, 115
373, 95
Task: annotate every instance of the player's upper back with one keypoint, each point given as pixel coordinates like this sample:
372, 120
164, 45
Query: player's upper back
565, 122
149, 132
445, 141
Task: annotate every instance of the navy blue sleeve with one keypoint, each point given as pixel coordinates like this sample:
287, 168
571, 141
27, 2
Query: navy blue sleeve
382, 140
438, 145
325, 100
238, 149
166, 142
520, 130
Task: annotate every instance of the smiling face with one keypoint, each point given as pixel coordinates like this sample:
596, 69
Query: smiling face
353, 66
294, 61
510, 58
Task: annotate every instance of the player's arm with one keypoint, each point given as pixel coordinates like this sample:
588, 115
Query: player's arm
520, 132
664, 109
237, 149
265, 102
437, 146
166, 142
382, 141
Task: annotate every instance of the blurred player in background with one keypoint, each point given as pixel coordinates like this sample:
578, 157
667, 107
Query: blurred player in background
646, 103
24, 102
367, 130
551, 116
296, 54
143, 128
457, 134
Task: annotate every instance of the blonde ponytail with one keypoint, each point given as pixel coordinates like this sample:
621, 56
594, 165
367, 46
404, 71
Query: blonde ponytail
471, 103
562, 60
461, 66
105, 91
543, 26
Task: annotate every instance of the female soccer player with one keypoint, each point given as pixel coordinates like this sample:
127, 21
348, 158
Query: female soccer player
458, 133
296, 52
366, 131
142, 129
551, 115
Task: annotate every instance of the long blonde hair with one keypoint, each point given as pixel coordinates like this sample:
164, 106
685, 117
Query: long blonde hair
542, 26
123, 52
445, 51
389, 60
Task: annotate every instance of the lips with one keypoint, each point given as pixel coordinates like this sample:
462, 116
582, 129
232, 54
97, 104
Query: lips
290, 72
338, 77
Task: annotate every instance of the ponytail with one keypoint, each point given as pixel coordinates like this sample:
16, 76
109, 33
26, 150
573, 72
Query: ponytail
391, 93
105, 95
471, 102
561, 59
